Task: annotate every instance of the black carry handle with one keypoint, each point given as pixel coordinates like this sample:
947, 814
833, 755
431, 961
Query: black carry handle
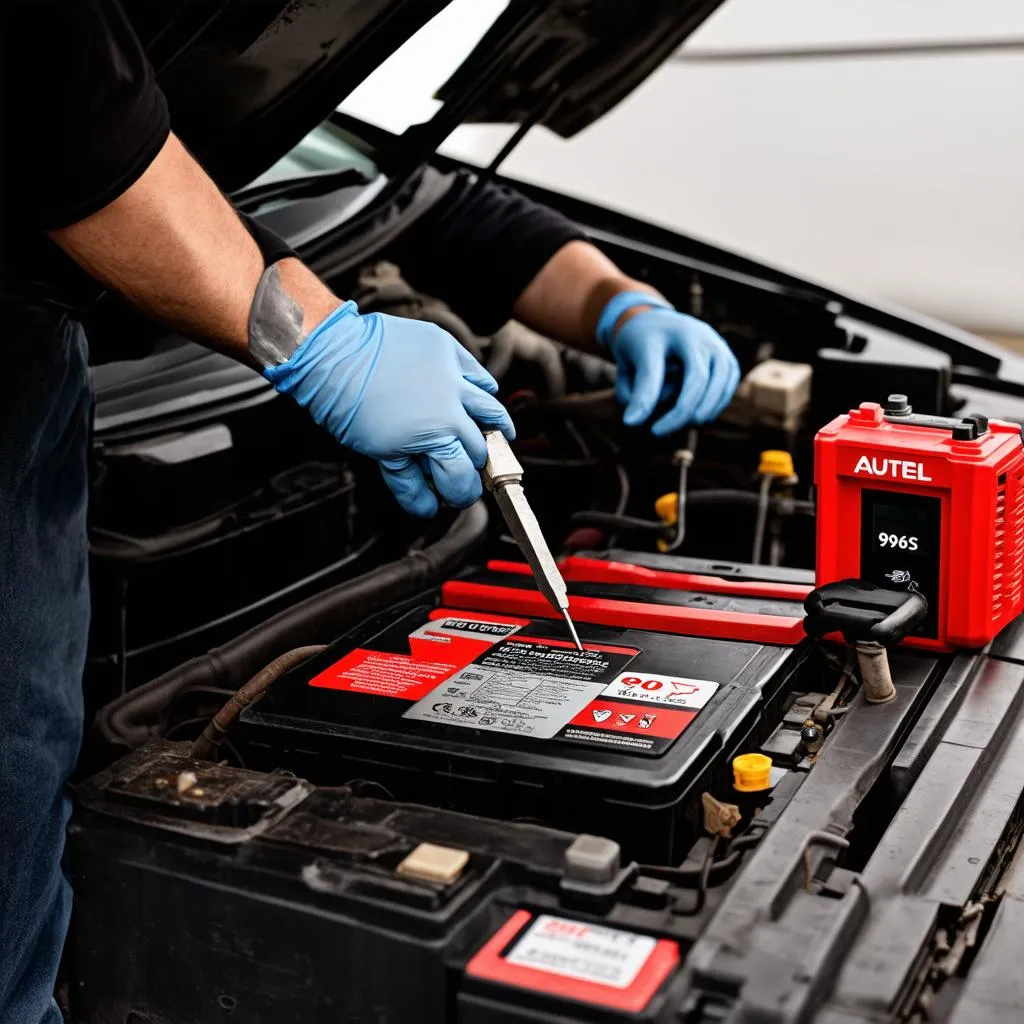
862, 611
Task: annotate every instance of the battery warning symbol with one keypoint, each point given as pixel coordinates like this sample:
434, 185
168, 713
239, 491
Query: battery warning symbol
646, 721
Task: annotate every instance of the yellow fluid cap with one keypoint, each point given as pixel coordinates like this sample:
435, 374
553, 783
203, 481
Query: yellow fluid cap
667, 508
776, 463
752, 772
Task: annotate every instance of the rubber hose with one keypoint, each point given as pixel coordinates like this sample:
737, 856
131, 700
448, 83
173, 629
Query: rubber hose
534, 348
500, 353
455, 326
129, 720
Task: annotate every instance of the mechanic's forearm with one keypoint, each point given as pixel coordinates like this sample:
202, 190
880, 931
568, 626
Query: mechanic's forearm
565, 300
174, 247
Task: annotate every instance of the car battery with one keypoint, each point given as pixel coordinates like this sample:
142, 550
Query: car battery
280, 901
500, 715
925, 503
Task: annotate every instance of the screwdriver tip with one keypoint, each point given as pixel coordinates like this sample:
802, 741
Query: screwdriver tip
572, 628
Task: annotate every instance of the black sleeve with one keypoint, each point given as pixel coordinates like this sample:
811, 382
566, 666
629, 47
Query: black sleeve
82, 115
478, 249
272, 246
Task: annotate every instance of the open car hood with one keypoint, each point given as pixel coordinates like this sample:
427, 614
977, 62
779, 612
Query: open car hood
247, 79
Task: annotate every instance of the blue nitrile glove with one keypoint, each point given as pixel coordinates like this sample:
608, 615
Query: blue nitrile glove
404, 392
663, 355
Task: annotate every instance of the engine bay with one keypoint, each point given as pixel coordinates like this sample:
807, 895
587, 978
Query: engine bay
423, 804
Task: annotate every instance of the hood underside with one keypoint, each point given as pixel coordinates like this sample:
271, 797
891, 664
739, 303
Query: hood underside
247, 79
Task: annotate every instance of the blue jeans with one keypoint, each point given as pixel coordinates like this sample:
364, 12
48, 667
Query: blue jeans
44, 616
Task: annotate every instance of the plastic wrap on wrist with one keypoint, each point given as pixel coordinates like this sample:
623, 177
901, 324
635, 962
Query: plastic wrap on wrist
275, 321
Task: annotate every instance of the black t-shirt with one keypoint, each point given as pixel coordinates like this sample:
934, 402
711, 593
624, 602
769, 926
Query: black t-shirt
82, 117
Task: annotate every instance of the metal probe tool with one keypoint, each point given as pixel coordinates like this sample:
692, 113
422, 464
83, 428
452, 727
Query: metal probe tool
503, 477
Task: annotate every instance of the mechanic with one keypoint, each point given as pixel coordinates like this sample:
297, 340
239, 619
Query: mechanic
99, 193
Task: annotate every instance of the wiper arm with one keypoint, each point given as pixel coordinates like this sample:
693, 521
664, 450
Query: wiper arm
307, 186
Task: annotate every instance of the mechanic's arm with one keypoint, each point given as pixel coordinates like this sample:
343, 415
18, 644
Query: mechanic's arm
491, 253
400, 391
175, 248
662, 356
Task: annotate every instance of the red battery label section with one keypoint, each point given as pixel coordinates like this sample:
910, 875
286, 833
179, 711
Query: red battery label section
575, 960
437, 649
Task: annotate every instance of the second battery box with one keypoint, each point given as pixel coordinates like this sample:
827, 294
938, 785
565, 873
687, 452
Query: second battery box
499, 715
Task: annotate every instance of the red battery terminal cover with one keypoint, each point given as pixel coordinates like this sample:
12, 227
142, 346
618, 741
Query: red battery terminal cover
753, 627
928, 503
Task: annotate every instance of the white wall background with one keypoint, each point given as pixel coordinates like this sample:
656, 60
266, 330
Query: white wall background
900, 176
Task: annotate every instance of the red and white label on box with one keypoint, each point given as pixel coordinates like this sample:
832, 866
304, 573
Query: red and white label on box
384, 674
570, 959
439, 648
674, 691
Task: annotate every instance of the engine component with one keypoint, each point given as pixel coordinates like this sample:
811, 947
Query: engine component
752, 773
498, 715
774, 394
843, 378
925, 503
775, 467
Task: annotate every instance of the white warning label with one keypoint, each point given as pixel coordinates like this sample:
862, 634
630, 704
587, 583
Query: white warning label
573, 949
467, 629
676, 691
523, 686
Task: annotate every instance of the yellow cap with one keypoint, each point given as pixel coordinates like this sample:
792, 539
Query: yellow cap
776, 463
752, 773
667, 508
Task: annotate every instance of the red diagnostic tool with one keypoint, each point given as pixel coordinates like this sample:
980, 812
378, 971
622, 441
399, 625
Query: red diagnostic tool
928, 503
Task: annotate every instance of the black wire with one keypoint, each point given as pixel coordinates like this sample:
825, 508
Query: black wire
705, 874
610, 521
692, 876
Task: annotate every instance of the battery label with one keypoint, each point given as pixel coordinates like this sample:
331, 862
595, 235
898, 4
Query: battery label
438, 648
629, 728
674, 691
381, 674
604, 956
524, 686
577, 961
466, 629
